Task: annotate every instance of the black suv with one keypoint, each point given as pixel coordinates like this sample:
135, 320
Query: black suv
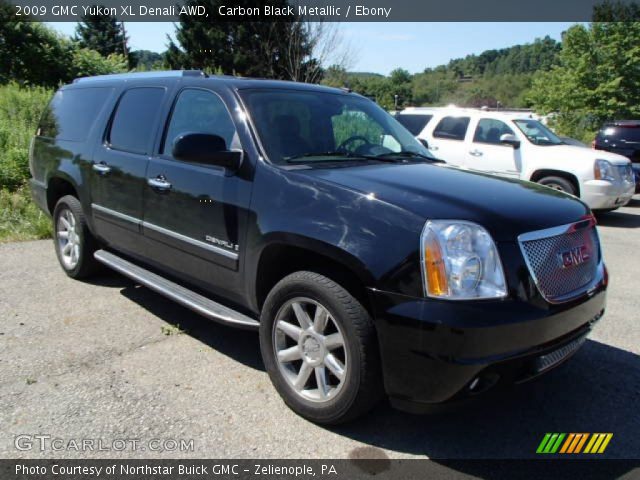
310, 214
622, 137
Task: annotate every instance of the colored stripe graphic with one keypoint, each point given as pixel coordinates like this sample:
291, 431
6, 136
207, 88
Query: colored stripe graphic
543, 443
567, 443
573, 443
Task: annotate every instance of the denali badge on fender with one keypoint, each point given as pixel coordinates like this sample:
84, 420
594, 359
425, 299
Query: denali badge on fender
574, 256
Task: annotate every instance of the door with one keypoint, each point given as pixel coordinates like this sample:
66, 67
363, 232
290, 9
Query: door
119, 165
488, 154
193, 213
448, 140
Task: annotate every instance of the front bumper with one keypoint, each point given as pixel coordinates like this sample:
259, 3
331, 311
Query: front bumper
602, 194
438, 351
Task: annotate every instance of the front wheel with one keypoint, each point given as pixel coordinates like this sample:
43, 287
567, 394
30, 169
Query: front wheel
320, 349
558, 183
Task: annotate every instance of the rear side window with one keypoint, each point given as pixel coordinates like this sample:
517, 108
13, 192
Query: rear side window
72, 112
414, 123
199, 111
452, 128
629, 134
490, 130
134, 120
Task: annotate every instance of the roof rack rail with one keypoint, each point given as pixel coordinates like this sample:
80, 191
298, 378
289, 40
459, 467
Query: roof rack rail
194, 73
143, 75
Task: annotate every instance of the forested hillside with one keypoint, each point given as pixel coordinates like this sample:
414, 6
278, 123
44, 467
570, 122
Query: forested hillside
488, 78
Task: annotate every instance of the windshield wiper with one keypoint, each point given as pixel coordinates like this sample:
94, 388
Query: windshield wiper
306, 156
407, 153
333, 157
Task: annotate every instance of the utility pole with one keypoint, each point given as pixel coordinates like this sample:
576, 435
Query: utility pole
124, 41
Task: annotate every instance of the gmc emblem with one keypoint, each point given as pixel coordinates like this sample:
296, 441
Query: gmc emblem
574, 257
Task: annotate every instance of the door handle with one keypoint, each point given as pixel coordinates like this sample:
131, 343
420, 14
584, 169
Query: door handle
159, 183
102, 168
433, 147
475, 153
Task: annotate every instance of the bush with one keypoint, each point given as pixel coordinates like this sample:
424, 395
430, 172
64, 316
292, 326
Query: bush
20, 110
20, 218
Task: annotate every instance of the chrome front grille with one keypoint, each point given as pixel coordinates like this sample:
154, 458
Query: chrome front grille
563, 261
626, 173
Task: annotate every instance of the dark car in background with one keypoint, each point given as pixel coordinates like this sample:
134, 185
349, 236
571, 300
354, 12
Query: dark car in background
622, 137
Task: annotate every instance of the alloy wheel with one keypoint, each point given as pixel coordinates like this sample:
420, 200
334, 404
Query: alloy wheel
68, 239
310, 349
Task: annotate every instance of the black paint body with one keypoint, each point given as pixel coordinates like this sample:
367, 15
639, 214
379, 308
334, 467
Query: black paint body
366, 218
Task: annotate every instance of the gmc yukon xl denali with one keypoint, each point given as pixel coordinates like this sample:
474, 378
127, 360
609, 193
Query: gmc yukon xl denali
309, 214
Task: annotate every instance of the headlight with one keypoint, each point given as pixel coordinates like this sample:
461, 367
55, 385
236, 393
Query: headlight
460, 261
603, 170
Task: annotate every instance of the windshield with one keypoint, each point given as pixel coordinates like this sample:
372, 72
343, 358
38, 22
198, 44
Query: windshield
537, 133
309, 126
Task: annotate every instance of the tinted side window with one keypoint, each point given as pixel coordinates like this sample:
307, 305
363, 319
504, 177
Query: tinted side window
135, 117
452, 128
414, 123
72, 112
199, 111
490, 131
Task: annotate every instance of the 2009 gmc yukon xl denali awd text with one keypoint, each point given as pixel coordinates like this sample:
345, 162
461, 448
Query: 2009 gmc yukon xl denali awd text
310, 214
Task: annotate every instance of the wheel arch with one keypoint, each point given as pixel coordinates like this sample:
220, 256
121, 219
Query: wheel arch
279, 259
539, 174
57, 187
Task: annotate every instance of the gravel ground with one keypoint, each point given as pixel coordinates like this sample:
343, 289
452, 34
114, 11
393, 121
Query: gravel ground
106, 360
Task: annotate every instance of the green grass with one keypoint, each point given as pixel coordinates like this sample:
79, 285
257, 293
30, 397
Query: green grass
20, 218
20, 110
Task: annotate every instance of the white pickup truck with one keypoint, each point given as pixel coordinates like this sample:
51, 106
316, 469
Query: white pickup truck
514, 145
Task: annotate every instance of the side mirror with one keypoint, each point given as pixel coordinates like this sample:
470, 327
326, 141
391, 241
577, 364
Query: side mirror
206, 149
510, 139
424, 142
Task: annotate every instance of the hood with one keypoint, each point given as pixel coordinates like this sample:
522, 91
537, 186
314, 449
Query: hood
584, 153
506, 208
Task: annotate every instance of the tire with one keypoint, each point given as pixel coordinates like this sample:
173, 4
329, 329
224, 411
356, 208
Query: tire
558, 183
340, 399
68, 219
601, 211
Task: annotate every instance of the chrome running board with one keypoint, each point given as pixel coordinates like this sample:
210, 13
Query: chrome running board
185, 297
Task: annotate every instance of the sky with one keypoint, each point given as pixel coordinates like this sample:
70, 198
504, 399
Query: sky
381, 47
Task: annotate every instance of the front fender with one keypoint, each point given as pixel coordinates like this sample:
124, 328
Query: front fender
377, 241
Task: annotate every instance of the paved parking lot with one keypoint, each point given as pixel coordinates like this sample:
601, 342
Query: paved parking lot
106, 360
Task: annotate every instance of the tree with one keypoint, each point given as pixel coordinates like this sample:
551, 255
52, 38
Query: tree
290, 50
89, 62
310, 45
597, 78
102, 33
146, 60
616, 12
30, 52
400, 76
33, 54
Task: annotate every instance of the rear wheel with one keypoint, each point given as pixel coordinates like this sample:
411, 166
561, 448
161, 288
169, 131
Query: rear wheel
319, 346
558, 183
74, 242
